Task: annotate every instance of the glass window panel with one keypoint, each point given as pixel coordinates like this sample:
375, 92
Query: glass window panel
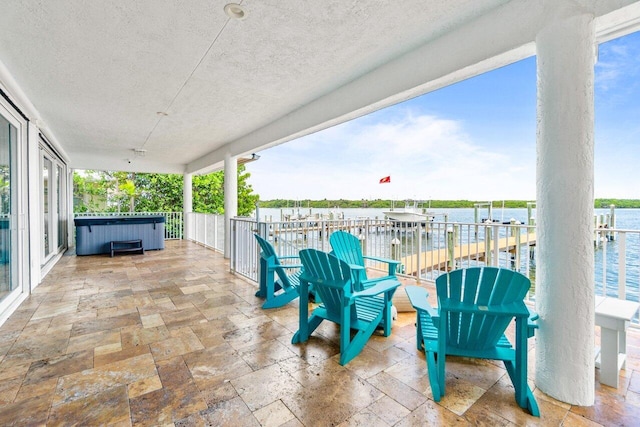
8, 208
46, 173
60, 206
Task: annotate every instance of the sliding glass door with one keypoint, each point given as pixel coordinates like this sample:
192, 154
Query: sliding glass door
52, 198
46, 203
9, 281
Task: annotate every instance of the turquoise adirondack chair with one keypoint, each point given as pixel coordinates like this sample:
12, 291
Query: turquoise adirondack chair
475, 306
361, 311
284, 290
347, 247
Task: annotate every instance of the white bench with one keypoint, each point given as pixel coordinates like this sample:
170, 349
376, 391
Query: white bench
613, 316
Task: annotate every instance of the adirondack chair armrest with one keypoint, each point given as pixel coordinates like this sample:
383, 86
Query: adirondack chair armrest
355, 274
275, 267
379, 288
289, 257
393, 264
515, 309
418, 299
532, 323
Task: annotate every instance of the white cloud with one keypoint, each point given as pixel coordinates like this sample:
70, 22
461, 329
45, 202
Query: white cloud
618, 63
426, 156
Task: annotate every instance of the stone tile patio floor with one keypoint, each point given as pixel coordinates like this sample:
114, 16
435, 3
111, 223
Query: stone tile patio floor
172, 338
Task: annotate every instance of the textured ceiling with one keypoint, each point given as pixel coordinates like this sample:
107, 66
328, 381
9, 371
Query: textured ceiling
99, 72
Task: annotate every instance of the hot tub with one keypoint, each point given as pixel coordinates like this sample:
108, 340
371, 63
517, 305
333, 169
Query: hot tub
95, 234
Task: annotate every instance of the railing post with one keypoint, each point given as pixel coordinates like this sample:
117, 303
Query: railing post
262, 228
195, 232
496, 246
517, 250
419, 253
487, 244
604, 267
476, 219
186, 228
202, 236
612, 220
450, 249
395, 249
232, 245
366, 230
363, 244
530, 218
622, 265
323, 230
456, 234
193, 224
206, 229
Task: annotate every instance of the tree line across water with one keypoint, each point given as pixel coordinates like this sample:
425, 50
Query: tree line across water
449, 204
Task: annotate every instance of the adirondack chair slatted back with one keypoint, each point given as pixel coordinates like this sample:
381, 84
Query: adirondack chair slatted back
267, 248
347, 247
331, 278
285, 288
480, 287
270, 253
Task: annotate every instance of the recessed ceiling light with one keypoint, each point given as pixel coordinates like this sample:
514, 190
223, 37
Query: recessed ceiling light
235, 11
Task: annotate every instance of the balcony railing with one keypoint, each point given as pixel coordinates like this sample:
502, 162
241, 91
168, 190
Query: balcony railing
426, 251
617, 263
443, 246
206, 229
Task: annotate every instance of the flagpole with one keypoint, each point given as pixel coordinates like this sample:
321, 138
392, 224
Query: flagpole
387, 180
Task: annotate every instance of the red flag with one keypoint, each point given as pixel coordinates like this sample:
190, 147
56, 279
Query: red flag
385, 180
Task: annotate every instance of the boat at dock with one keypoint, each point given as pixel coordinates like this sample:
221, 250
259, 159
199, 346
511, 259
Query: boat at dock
411, 213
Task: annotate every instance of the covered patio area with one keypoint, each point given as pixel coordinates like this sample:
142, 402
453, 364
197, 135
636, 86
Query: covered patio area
172, 338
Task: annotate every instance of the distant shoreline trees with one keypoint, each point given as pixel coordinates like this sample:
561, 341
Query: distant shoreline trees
448, 204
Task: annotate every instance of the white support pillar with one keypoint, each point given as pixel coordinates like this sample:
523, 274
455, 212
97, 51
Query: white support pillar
230, 198
187, 204
34, 185
565, 174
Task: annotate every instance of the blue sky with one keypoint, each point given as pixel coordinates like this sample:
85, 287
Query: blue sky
474, 140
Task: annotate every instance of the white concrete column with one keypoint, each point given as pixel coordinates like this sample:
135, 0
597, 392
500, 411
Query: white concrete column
565, 265
230, 199
33, 187
187, 204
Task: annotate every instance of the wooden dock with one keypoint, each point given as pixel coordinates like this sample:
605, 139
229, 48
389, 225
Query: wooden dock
438, 259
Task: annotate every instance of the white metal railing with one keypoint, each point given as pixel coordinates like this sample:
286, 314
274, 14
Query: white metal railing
245, 254
429, 251
426, 251
617, 263
172, 226
205, 229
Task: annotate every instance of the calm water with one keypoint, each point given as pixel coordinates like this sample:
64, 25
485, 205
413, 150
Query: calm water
626, 219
